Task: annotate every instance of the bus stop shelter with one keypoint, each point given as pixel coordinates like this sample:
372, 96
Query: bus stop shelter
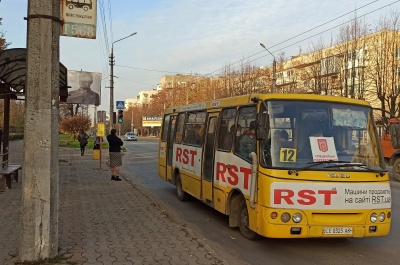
12, 87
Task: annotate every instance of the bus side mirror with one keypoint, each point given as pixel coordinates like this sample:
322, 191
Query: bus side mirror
262, 126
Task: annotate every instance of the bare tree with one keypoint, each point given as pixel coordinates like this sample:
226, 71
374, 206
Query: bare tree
351, 47
3, 43
384, 68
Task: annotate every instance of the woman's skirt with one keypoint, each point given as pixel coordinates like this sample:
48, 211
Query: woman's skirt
115, 159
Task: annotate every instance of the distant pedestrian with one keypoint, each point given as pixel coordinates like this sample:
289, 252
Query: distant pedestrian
115, 144
83, 141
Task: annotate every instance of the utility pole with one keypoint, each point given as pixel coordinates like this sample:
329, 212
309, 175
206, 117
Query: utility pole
112, 62
273, 85
40, 171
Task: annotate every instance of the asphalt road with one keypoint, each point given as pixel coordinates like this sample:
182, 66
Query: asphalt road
212, 226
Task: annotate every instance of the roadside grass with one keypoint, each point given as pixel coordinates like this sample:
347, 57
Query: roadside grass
69, 142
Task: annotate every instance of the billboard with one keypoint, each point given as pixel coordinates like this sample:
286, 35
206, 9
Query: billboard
85, 87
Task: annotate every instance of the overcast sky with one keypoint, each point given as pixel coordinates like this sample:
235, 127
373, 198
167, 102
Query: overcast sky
193, 36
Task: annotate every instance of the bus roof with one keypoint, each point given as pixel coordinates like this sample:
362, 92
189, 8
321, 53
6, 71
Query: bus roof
246, 99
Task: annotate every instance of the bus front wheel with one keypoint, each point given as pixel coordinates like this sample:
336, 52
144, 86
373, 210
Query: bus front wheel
243, 221
396, 169
182, 195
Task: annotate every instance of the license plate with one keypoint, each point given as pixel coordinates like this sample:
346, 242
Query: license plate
337, 231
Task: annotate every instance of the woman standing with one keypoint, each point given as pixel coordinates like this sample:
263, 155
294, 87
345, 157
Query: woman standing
115, 144
83, 140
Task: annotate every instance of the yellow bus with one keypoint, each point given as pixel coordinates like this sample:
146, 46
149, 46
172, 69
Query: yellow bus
281, 165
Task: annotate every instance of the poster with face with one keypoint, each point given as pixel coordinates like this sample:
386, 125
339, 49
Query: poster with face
85, 88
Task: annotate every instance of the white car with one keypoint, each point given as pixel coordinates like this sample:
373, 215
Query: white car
130, 136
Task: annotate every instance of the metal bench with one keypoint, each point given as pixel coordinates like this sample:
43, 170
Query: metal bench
9, 171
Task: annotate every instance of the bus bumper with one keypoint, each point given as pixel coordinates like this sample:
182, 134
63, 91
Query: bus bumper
277, 229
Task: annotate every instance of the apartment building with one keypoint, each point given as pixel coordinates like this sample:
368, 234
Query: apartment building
367, 67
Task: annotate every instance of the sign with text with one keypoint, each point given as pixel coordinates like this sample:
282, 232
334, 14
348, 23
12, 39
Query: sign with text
101, 129
79, 18
323, 149
151, 121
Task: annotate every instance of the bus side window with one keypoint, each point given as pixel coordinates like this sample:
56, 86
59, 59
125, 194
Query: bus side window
179, 128
248, 143
226, 136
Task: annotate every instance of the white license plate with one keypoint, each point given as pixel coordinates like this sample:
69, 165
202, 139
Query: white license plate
337, 231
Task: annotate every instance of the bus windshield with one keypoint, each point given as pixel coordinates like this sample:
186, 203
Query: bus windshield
321, 136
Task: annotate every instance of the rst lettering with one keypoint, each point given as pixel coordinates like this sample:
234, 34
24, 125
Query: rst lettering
233, 175
303, 197
185, 156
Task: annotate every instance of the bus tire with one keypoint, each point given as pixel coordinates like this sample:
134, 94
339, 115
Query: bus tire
396, 169
182, 195
243, 221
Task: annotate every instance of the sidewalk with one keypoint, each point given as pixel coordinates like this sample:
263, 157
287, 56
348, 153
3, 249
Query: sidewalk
103, 221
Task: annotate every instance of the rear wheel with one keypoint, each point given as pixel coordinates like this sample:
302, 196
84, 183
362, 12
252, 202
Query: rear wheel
182, 195
243, 220
396, 169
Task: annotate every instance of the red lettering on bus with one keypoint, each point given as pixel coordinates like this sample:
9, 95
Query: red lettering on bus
230, 174
185, 159
221, 169
279, 195
193, 153
246, 174
185, 156
327, 195
178, 155
233, 178
304, 197
308, 197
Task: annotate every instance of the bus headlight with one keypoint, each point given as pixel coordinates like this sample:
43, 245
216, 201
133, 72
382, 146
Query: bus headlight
382, 217
373, 217
285, 217
297, 217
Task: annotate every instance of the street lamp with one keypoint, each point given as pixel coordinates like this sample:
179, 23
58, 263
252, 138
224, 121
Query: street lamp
131, 107
273, 88
112, 62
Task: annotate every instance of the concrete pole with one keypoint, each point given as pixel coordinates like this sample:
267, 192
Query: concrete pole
40, 170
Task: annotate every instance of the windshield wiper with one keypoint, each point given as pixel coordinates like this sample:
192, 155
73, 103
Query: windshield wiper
364, 166
313, 164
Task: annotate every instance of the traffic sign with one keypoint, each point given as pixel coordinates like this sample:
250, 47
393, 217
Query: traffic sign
120, 105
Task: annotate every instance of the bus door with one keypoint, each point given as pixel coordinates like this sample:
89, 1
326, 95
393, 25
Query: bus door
208, 160
170, 148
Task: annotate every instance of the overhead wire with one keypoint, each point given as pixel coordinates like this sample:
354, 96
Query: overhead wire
341, 16
287, 40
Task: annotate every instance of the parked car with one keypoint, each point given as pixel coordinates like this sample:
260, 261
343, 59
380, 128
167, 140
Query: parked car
130, 136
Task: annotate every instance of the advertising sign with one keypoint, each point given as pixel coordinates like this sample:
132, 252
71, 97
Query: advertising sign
151, 121
85, 87
79, 17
